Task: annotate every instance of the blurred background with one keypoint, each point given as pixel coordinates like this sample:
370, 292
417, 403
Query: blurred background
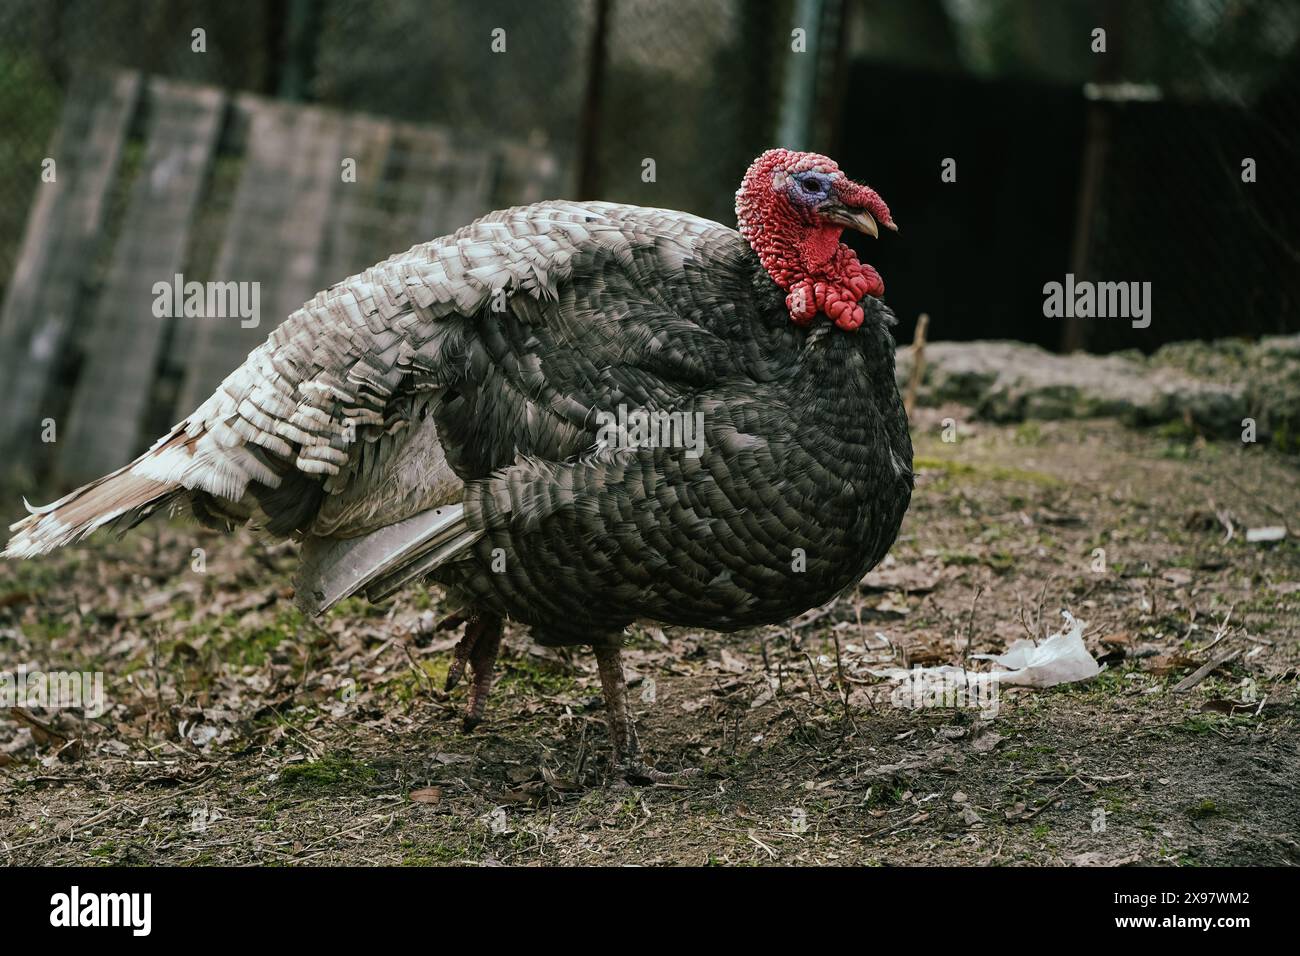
208, 139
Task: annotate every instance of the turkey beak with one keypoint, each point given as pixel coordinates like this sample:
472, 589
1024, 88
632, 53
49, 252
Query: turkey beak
858, 219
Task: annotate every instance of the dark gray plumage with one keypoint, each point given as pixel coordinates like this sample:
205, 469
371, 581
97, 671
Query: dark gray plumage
470, 374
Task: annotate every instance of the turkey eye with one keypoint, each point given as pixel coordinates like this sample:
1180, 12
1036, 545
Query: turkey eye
814, 186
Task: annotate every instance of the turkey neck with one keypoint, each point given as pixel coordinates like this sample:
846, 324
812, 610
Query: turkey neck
841, 388
851, 421
845, 391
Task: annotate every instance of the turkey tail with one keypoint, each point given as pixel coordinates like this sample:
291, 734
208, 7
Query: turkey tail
119, 500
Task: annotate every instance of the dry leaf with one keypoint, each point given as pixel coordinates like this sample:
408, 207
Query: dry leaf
451, 758
554, 780
732, 663
1165, 664
892, 576
986, 742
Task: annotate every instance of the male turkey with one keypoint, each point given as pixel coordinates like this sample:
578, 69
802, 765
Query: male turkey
445, 415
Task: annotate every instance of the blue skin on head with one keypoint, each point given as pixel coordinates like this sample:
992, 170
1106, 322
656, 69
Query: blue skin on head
809, 189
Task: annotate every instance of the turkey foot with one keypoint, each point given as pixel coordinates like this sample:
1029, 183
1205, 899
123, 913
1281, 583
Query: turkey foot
622, 730
478, 649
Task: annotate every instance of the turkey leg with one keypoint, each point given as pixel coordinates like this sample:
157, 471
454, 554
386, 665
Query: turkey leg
622, 730
478, 649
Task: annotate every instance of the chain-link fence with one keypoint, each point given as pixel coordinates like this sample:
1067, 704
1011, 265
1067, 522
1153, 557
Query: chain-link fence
603, 84
1192, 143
1126, 163
1144, 142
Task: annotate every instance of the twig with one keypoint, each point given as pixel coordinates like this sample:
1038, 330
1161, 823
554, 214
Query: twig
1202, 672
812, 669
844, 686
580, 763
421, 675
137, 809
906, 824
1051, 799
970, 634
1038, 622
763, 846
1226, 520
918, 363
1258, 498
813, 618
23, 715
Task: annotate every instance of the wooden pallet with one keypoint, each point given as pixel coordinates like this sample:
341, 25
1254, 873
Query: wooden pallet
263, 179
43, 301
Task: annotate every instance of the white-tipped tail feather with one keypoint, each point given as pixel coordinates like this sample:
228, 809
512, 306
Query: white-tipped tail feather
189, 458
120, 499
333, 568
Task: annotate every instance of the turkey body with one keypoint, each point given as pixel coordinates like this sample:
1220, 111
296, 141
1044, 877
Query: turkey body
796, 489
800, 486
475, 374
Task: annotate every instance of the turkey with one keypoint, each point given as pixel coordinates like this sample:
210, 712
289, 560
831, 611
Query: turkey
575, 415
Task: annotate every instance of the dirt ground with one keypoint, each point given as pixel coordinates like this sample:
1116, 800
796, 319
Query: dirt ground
238, 733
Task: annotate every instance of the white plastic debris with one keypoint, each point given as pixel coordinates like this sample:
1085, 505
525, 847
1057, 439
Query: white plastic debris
1061, 659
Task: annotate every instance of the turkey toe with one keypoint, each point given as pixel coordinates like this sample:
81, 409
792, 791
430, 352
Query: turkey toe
622, 729
476, 650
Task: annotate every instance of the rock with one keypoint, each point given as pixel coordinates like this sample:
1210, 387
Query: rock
1212, 386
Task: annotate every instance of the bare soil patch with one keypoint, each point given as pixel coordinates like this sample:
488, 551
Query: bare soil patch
238, 733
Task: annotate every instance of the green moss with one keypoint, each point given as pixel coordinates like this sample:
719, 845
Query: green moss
1285, 438
354, 607
1201, 724
47, 627
1000, 561
422, 600
332, 773
954, 469
250, 647
36, 577
542, 677
407, 686
948, 467
1028, 433
1108, 683
1177, 430
432, 854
